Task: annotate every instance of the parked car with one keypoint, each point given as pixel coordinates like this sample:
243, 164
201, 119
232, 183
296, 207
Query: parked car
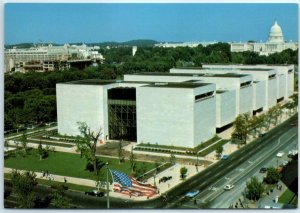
225, 157
95, 193
262, 135
263, 170
229, 187
192, 193
280, 154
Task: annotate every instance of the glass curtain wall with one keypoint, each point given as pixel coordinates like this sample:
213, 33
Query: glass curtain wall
122, 114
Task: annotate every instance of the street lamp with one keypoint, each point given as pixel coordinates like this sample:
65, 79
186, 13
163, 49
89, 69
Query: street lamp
107, 185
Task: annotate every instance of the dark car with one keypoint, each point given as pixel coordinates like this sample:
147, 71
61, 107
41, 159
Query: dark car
262, 135
95, 193
263, 170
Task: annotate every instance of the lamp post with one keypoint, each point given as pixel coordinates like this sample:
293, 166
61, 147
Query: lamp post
107, 185
197, 163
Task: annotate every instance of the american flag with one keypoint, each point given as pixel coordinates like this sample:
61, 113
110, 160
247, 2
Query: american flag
128, 185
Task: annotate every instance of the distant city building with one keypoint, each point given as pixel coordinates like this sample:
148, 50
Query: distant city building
274, 44
48, 58
185, 44
185, 107
134, 49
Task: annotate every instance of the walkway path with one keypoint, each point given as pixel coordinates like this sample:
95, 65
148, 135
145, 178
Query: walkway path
163, 187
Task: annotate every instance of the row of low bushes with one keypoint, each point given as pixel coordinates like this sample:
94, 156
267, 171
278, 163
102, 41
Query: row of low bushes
51, 143
212, 148
155, 171
59, 138
148, 149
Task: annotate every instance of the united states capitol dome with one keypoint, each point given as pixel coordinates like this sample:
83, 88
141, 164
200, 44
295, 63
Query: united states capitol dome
275, 35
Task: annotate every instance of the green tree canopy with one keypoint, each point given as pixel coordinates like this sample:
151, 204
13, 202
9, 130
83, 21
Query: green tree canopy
22, 186
254, 188
272, 176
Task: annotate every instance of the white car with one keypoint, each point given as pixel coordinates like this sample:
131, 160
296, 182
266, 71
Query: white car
228, 187
192, 193
280, 154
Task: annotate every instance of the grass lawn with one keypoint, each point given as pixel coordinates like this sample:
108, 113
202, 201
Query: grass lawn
67, 164
286, 197
50, 183
212, 148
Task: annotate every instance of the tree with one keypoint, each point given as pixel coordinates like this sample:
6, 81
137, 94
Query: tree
40, 150
24, 142
120, 152
219, 150
183, 172
241, 128
132, 160
87, 143
254, 188
59, 199
272, 176
172, 158
22, 186
6, 144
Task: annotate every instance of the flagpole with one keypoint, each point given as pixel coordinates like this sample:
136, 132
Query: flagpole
107, 185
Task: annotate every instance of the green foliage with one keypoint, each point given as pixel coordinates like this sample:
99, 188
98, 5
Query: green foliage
172, 158
132, 160
43, 152
183, 172
241, 128
24, 142
59, 199
219, 150
254, 189
272, 176
120, 152
23, 185
87, 143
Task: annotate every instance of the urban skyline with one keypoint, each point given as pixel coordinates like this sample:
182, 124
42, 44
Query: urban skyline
161, 22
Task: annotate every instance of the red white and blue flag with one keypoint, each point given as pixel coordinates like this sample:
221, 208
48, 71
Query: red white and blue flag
128, 185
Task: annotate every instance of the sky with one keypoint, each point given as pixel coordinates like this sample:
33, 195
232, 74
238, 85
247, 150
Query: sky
91, 22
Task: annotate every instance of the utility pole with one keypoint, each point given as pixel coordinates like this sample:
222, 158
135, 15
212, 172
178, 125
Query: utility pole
107, 185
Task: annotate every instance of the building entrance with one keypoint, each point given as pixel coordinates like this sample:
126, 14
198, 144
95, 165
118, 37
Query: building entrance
122, 114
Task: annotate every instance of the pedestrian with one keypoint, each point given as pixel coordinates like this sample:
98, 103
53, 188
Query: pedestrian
195, 202
65, 179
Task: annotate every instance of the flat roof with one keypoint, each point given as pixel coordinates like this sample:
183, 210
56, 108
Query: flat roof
103, 82
226, 75
184, 85
192, 68
256, 69
92, 82
221, 91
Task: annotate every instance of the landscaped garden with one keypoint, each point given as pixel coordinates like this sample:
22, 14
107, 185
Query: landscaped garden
67, 164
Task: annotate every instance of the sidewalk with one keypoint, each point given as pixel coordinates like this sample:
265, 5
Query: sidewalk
269, 200
173, 171
83, 182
